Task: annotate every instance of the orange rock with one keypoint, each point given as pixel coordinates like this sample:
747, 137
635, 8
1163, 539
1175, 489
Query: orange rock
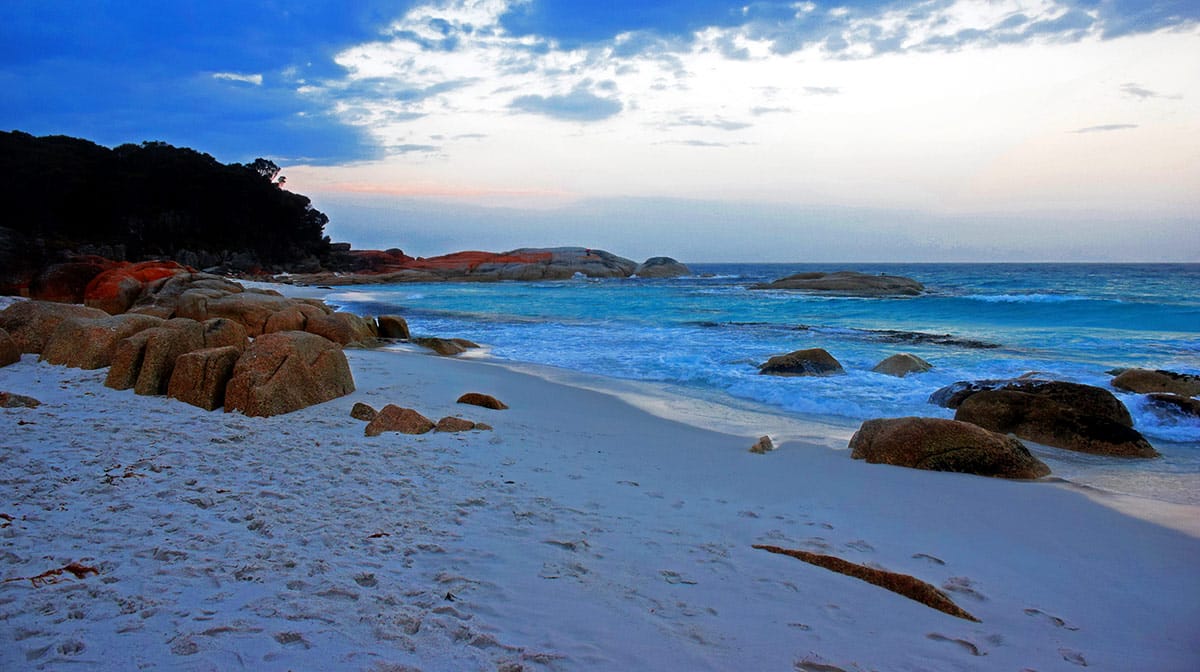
396, 419
30, 323
200, 377
286, 371
483, 400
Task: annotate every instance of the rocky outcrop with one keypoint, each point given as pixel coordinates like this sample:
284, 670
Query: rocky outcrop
9, 352
30, 323
445, 346
902, 364
83, 343
393, 418
557, 263
116, 289
200, 377
1052, 421
661, 267
163, 346
811, 362
286, 371
851, 283
393, 326
1145, 381
482, 400
67, 282
938, 444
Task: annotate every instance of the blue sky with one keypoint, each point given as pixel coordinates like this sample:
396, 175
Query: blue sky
516, 122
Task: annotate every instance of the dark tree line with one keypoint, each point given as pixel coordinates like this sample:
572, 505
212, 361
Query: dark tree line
151, 200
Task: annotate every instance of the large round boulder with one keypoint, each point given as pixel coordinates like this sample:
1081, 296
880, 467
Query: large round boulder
286, 371
30, 323
938, 444
83, 343
1144, 381
811, 362
902, 364
1044, 420
661, 267
1084, 399
9, 352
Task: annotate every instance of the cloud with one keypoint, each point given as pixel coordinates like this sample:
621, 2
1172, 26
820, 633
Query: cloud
822, 90
710, 122
1103, 128
578, 105
411, 148
255, 79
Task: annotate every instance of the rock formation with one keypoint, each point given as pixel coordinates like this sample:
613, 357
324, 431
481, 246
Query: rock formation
201, 376
90, 343
811, 362
851, 283
30, 323
938, 444
393, 326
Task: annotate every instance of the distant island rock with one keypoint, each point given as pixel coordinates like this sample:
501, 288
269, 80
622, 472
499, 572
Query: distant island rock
851, 283
527, 263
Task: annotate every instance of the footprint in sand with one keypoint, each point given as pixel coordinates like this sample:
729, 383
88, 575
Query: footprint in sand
1058, 622
963, 586
967, 646
1073, 657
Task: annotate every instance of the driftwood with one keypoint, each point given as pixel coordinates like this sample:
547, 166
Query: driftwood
55, 575
901, 584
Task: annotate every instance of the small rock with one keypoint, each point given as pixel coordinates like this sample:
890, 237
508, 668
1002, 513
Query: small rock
362, 411
483, 400
10, 400
396, 419
811, 362
762, 446
445, 346
453, 424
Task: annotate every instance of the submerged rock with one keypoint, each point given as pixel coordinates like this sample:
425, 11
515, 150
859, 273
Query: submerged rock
1086, 399
1049, 421
850, 283
810, 362
445, 347
1174, 404
902, 364
1145, 381
937, 444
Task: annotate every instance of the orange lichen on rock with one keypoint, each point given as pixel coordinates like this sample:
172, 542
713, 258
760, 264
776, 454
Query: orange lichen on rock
901, 584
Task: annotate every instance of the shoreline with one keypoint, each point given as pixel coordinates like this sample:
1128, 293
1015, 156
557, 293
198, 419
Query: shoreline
579, 522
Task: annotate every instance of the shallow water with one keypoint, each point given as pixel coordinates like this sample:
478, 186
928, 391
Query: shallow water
704, 336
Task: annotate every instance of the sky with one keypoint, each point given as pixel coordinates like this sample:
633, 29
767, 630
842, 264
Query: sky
761, 130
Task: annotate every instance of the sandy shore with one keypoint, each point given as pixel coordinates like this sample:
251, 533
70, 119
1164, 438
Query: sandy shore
583, 533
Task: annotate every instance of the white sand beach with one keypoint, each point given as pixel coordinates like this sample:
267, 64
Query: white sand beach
582, 533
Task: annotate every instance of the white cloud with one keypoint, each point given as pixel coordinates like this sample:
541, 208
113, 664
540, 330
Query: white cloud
946, 120
255, 79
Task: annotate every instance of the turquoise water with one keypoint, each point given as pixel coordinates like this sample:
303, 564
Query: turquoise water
707, 333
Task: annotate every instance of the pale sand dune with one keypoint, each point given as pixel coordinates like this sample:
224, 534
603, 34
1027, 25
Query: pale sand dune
581, 534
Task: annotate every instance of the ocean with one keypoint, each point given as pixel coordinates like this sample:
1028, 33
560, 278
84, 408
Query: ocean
704, 336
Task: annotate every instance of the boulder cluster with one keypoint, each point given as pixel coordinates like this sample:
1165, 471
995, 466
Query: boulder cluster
165, 329
393, 418
818, 362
